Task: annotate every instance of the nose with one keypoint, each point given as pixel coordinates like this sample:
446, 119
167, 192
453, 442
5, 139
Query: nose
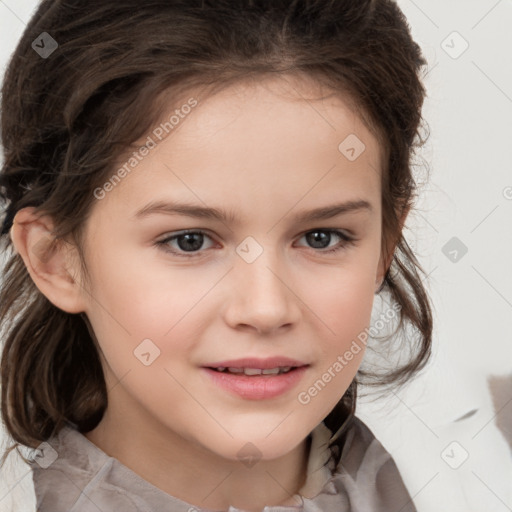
263, 297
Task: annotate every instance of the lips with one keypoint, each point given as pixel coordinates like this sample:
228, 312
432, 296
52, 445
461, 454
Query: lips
257, 379
256, 387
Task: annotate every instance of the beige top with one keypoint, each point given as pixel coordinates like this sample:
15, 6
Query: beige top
72, 474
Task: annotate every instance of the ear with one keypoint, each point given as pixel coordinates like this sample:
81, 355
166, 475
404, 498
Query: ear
386, 259
49, 261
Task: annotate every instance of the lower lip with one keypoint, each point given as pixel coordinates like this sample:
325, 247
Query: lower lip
257, 387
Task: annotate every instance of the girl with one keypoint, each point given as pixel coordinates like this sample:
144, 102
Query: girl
150, 373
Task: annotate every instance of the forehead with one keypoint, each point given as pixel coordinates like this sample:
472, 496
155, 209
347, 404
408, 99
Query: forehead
287, 135
291, 106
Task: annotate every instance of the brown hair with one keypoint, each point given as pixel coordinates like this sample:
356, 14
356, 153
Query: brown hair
68, 117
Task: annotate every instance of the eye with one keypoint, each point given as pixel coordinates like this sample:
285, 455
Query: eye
321, 238
189, 241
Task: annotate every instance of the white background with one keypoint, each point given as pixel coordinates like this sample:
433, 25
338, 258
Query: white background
468, 196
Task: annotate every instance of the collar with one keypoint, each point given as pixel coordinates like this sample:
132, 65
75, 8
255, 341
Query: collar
80, 477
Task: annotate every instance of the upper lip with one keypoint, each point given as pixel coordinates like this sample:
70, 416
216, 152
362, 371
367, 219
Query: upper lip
254, 362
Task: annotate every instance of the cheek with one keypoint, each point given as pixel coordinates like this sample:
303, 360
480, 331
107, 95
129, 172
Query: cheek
343, 303
131, 304
344, 309
342, 300
144, 295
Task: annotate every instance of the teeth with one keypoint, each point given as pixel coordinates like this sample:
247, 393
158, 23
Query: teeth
252, 371
271, 371
255, 371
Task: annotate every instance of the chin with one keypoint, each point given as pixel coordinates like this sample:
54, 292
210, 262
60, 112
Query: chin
249, 449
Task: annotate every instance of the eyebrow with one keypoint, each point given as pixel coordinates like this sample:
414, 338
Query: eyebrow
202, 212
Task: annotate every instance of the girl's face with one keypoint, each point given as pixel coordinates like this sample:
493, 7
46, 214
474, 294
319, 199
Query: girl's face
257, 175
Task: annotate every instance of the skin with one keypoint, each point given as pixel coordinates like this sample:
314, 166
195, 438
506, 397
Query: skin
265, 152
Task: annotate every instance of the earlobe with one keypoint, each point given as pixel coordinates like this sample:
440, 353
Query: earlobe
48, 260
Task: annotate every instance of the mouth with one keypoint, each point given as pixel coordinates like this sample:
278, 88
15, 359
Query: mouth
254, 371
253, 365
257, 379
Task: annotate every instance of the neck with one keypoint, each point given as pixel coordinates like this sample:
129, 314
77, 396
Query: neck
190, 472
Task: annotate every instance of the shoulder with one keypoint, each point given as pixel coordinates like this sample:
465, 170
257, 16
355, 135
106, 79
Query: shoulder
71, 474
362, 448
368, 473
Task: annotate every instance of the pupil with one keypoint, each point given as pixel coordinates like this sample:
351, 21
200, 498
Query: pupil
189, 244
316, 236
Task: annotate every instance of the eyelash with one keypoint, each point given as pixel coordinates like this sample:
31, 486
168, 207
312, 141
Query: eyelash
163, 244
